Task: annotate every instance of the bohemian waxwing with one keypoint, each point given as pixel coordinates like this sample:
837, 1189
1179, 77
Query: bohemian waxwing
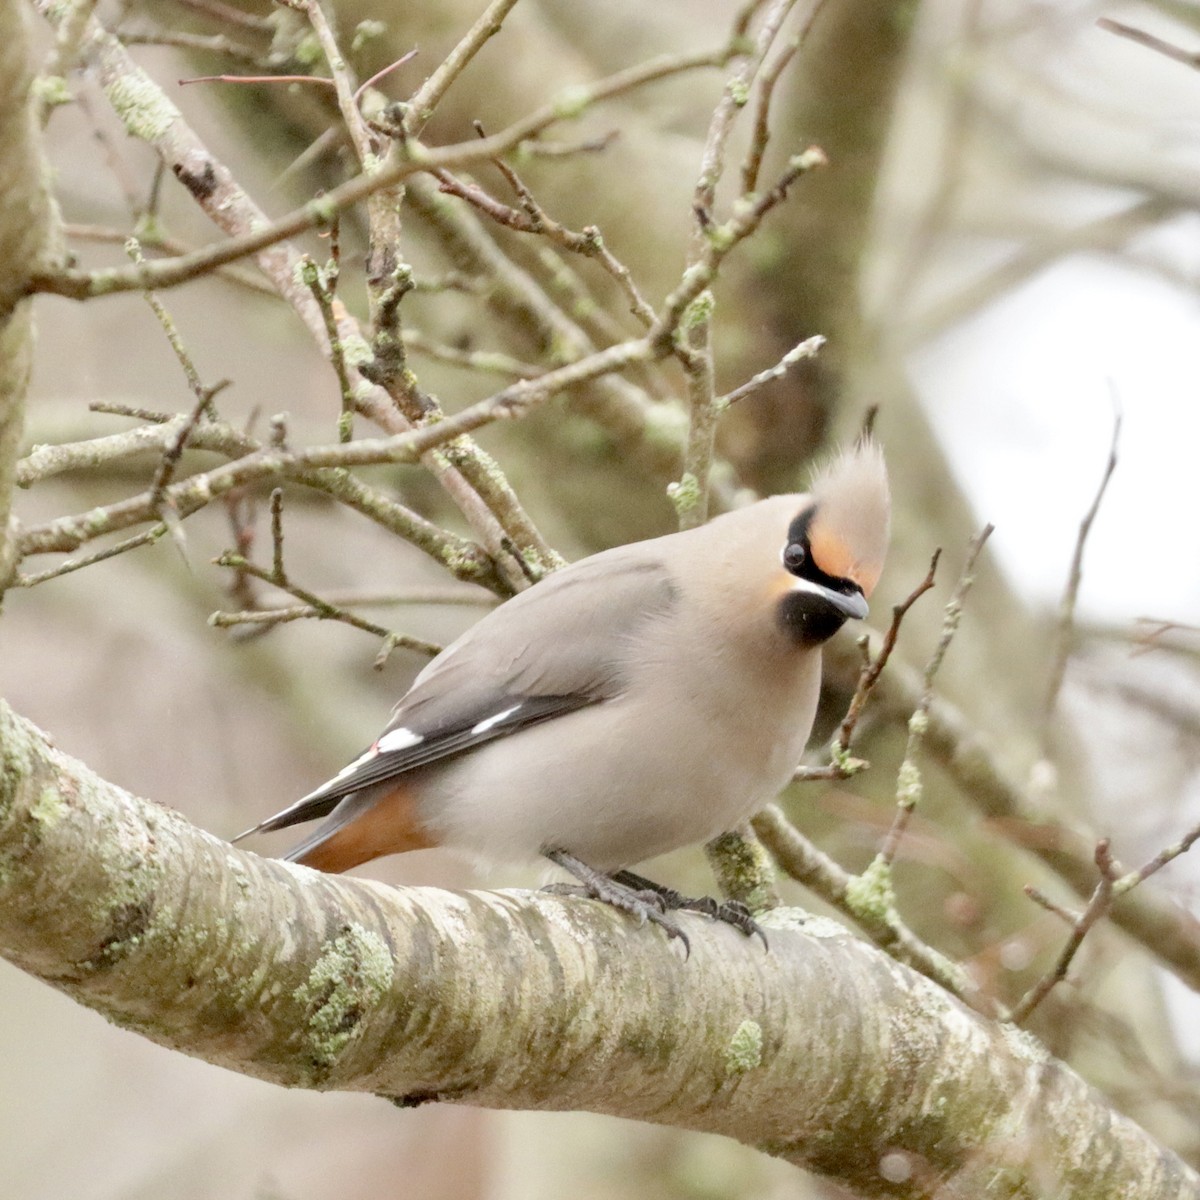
642, 699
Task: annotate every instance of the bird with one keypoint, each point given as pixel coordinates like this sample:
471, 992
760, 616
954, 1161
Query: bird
644, 698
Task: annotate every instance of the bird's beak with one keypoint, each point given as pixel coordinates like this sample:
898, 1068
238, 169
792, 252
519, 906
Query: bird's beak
852, 605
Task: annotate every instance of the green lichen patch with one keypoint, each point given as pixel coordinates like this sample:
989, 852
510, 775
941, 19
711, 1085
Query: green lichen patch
356, 351
871, 892
52, 90
352, 974
49, 808
684, 494
745, 1048
144, 111
15, 762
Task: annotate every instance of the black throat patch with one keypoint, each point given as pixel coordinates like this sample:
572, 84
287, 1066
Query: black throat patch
809, 618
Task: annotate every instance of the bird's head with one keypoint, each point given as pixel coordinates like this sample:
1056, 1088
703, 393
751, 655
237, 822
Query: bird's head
836, 544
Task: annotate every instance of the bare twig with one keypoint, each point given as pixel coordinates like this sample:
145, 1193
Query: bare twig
1108, 890
1069, 915
1066, 609
1189, 58
323, 285
156, 240
843, 765
146, 538
808, 865
1155, 637
426, 98
1152, 919
165, 273
487, 362
65, 54
173, 451
383, 73
270, 464
724, 238
908, 783
319, 80
1097, 906
532, 218
762, 109
1128, 882
211, 43
230, 15
689, 329
805, 349
344, 82
873, 669
314, 606
762, 112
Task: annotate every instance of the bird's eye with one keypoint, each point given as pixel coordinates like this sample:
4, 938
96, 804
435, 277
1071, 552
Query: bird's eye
794, 555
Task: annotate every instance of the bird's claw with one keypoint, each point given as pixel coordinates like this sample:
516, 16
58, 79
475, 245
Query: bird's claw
728, 912
642, 903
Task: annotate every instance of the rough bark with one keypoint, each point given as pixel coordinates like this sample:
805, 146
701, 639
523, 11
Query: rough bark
820, 1050
23, 223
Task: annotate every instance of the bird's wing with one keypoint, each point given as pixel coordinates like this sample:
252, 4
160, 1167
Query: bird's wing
559, 646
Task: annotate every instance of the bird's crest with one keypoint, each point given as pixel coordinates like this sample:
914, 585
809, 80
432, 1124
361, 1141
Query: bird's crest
848, 535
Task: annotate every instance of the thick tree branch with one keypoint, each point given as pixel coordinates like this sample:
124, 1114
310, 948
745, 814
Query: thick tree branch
821, 1051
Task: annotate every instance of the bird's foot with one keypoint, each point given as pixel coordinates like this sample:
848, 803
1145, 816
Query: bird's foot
730, 912
647, 904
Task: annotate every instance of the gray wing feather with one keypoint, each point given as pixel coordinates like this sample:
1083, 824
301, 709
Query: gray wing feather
566, 636
557, 647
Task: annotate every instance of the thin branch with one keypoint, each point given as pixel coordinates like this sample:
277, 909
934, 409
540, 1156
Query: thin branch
650, 434
808, 865
173, 451
871, 671
426, 98
842, 764
762, 112
723, 238
146, 538
344, 82
269, 464
1066, 609
229, 15
156, 240
209, 43
320, 609
809, 348
532, 218
692, 344
64, 56
908, 782
1155, 921
1097, 906
323, 285
1189, 58
733, 98
462, 557
1167, 854
768, 79
487, 362
383, 73
318, 213
1068, 915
